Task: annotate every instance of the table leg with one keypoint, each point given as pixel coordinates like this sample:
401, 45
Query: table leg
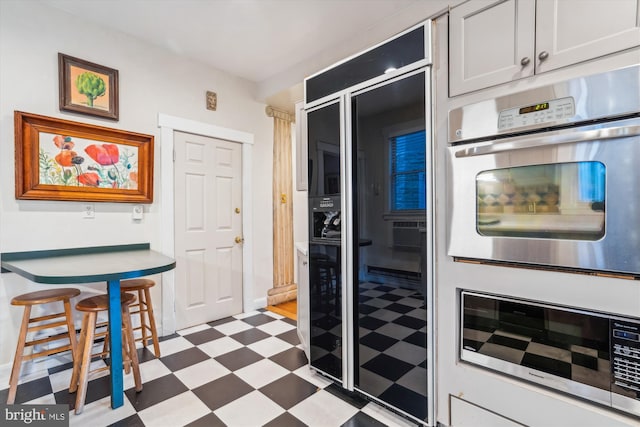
115, 343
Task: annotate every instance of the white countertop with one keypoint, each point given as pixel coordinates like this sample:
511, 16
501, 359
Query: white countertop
302, 247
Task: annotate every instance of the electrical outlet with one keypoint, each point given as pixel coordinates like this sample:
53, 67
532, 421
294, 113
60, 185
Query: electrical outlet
88, 210
138, 210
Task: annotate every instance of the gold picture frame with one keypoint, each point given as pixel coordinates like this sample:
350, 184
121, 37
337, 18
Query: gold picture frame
87, 88
63, 160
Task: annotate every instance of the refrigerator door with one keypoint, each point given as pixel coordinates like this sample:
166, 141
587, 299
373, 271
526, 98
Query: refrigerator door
389, 178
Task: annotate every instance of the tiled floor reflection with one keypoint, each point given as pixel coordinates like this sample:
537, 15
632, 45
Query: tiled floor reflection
392, 350
246, 370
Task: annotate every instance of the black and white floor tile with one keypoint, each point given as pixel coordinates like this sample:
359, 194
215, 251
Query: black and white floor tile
245, 370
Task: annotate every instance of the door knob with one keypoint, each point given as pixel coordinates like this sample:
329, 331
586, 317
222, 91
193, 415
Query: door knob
239, 239
237, 210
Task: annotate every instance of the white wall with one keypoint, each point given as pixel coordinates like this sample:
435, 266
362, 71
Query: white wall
152, 81
360, 40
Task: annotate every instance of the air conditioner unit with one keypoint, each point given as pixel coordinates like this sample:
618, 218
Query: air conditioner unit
406, 234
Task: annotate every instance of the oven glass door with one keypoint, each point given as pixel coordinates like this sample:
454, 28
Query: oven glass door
566, 198
548, 345
552, 201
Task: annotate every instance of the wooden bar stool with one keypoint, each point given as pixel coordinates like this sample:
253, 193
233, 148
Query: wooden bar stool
36, 298
144, 305
80, 375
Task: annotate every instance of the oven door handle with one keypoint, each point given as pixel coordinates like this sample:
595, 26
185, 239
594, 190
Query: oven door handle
518, 143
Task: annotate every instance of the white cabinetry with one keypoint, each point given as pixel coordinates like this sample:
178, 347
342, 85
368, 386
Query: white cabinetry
494, 42
304, 321
488, 40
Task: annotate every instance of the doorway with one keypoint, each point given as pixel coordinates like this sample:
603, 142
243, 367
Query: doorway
170, 125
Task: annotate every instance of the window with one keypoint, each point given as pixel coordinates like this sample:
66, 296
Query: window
408, 177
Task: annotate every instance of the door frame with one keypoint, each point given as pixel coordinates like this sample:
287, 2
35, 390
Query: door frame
168, 125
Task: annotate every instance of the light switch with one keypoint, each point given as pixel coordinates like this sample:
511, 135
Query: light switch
138, 210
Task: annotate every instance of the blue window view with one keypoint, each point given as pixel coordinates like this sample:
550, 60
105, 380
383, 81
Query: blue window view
408, 177
591, 176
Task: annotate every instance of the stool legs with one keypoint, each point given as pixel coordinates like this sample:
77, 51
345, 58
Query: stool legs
39, 326
71, 328
22, 338
17, 360
81, 368
152, 322
132, 353
147, 326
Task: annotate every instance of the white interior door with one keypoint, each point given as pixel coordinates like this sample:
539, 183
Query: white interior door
208, 221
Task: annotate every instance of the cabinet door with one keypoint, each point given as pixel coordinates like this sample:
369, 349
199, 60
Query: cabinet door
304, 320
571, 31
491, 42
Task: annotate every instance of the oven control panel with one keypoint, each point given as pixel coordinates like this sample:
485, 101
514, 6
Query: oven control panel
625, 349
537, 114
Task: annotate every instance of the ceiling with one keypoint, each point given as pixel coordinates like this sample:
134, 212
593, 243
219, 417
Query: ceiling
273, 43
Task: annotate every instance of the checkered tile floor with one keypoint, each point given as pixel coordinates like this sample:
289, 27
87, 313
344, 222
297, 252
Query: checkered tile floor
245, 370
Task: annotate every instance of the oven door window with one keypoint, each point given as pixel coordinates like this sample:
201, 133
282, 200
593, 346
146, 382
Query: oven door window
551, 201
556, 341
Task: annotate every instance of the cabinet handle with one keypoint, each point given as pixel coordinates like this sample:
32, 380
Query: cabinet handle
543, 55
525, 61
304, 263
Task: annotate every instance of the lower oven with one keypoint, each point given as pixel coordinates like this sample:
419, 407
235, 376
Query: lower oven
550, 176
588, 354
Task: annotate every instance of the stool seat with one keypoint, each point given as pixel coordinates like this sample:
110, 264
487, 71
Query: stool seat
43, 330
144, 309
101, 302
46, 296
131, 285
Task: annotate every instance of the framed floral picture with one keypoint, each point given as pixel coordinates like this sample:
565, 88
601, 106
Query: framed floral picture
87, 88
64, 160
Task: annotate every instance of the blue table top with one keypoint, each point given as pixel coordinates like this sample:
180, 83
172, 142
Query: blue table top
83, 265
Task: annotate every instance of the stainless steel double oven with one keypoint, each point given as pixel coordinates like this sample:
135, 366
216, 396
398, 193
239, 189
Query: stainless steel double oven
550, 176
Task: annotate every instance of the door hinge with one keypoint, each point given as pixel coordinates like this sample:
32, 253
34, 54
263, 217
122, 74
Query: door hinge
174, 155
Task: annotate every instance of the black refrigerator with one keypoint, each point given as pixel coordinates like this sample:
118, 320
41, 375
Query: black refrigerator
369, 183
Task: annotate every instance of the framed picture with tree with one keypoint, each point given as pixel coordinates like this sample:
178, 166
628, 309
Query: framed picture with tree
87, 88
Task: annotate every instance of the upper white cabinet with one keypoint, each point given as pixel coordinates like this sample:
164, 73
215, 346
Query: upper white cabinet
490, 42
572, 31
493, 42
